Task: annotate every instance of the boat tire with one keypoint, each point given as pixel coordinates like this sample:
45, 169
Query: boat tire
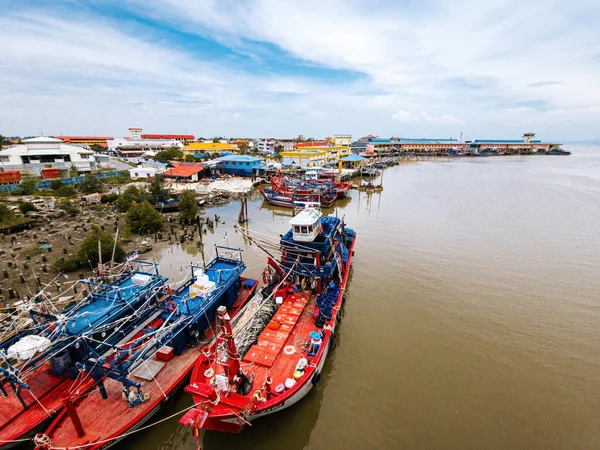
338, 317
316, 379
344, 299
332, 344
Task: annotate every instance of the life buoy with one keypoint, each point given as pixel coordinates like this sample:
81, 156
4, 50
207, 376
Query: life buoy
171, 306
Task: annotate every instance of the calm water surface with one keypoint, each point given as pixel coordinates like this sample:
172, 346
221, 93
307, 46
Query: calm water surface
472, 318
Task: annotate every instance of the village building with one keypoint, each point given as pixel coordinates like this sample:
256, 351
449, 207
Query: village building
240, 165
35, 154
209, 147
184, 172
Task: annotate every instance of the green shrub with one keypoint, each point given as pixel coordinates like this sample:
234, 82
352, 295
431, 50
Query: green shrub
143, 218
91, 184
131, 195
26, 207
88, 250
66, 265
188, 205
109, 198
29, 185
66, 191
56, 184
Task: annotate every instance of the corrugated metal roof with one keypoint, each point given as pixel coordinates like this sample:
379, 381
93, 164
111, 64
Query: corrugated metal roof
184, 171
238, 158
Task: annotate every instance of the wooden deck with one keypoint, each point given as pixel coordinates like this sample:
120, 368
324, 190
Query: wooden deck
49, 389
107, 419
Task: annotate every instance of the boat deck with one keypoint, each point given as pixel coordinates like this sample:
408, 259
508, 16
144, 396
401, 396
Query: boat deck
49, 389
295, 321
107, 419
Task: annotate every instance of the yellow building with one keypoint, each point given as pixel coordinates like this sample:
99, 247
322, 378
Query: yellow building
210, 147
304, 158
332, 153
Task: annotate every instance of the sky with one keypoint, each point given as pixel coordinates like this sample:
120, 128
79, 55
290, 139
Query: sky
279, 68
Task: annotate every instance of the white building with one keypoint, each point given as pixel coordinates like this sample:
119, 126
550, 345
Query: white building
39, 153
266, 146
287, 144
144, 172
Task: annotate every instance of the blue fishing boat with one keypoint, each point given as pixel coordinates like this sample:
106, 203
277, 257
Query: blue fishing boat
156, 358
39, 365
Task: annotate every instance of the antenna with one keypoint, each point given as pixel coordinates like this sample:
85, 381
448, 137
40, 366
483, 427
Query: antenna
460, 138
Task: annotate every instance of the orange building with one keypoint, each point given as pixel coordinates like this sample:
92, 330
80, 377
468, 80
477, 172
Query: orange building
102, 141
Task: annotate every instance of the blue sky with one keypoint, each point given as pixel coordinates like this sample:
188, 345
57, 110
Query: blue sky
317, 68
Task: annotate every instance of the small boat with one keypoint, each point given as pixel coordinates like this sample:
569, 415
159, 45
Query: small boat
559, 152
293, 200
155, 359
369, 172
277, 357
370, 187
39, 365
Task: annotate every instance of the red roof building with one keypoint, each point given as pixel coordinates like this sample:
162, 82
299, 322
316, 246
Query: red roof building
176, 137
312, 144
185, 172
102, 141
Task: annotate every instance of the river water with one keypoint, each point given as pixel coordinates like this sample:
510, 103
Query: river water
472, 318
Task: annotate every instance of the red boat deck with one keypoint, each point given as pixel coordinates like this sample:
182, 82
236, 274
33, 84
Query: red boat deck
268, 358
49, 389
107, 419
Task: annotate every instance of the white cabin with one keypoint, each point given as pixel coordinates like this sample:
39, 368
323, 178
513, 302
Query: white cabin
306, 225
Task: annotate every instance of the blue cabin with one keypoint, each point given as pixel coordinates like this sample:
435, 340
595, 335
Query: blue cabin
240, 165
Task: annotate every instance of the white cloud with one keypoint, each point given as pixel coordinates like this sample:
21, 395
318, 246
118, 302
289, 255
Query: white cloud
409, 117
463, 62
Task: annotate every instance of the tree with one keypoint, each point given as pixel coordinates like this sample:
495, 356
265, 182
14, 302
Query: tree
131, 195
88, 250
188, 206
4, 142
217, 139
97, 148
244, 148
143, 218
73, 172
190, 158
157, 188
300, 138
56, 184
169, 154
91, 184
6, 215
278, 148
29, 185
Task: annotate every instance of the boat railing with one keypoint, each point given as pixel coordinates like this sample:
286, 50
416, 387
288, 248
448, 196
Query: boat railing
230, 253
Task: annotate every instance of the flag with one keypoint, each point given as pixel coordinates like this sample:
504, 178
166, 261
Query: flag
133, 256
225, 235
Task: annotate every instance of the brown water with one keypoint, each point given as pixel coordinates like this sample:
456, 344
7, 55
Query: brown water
472, 318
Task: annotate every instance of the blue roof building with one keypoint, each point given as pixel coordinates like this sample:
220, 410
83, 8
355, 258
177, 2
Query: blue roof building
240, 165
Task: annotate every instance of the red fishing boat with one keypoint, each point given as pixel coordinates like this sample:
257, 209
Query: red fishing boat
155, 360
276, 358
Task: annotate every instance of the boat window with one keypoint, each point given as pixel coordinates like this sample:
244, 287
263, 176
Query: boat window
296, 229
310, 228
304, 230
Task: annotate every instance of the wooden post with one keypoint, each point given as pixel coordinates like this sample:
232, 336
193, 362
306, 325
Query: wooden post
72, 413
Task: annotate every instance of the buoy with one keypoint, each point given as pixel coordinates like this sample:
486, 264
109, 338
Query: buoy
171, 306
